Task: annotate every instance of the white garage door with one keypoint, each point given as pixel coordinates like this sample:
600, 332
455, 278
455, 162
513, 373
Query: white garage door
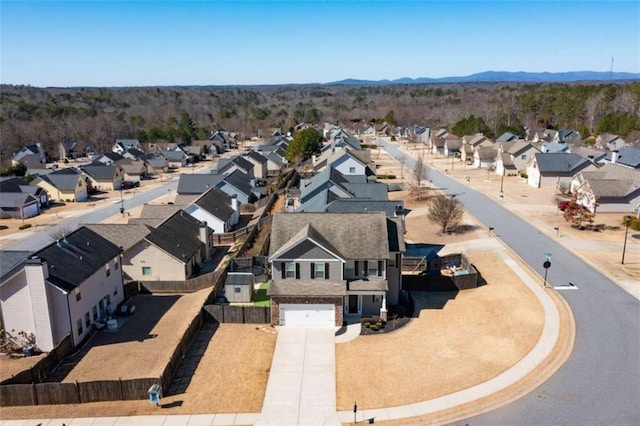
321, 315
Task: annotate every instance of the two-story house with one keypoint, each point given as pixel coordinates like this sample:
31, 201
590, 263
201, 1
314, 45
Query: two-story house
327, 265
218, 209
63, 185
62, 289
103, 177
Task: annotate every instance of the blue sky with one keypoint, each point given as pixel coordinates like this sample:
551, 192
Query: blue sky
143, 43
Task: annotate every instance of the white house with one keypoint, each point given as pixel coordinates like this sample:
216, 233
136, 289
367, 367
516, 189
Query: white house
218, 209
62, 289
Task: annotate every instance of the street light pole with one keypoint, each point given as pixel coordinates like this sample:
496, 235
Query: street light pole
502, 182
626, 231
121, 202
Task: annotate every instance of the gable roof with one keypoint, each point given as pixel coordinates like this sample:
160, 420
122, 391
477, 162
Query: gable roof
10, 260
77, 256
217, 203
239, 181
355, 205
306, 232
520, 146
560, 162
158, 211
178, 236
198, 183
131, 166
486, 153
14, 200
506, 137
367, 232
122, 235
627, 155
65, 179
100, 171
155, 160
174, 155
256, 156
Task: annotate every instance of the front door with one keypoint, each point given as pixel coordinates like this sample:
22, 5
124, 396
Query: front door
353, 304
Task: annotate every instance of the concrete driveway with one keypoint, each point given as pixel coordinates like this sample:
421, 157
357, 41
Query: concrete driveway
302, 381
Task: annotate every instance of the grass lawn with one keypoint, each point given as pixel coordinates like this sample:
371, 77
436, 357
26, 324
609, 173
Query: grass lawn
261, 298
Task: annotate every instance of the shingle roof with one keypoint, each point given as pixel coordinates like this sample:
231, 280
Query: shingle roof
627, 155
198, 183
217, 203
13, 200
100, 171
173, 155
155, 160
178, 236
239, 278
506, 137
486, 153
243, 163
10, 259
257, 157
372, 190
367, 232
307, 288
239, 181
74, 258
132, 166
122, 235
369, 284
65, 179
560, 162
158, 211
354, 205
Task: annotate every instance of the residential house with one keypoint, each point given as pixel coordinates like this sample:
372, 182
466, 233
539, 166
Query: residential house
319, 276
219, 210
196, 184
240, 185
159, 147
175, 159
452, 146
554, 147
63, 185
610, 188
36, 152
276, 162
228, 166
75, 150
108, 158
437, 141
123, 145
609, 142
133, 154
485, 157
173, 251
627, 156
155, 164
133, 170
345, 160
535, 134
554, 169
568, 136
102, 177
419, 134
220, 141
62, 289
20, 200
518, 153
259, 161
507, 137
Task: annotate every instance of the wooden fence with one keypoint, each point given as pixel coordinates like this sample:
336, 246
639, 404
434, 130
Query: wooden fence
189, 286
180, 351
39, 372
239, 314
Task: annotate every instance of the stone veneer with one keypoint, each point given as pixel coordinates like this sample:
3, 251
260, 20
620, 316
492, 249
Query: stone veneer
277, 300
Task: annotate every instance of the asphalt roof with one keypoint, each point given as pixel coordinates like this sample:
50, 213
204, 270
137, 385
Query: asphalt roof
77, 256
239, 181
560, 162
216, 202
122, 235
100, 171
367, 232
198, 183
10, 259
257, 157
627, 155
173, 155
307, 288
158, 211
65, 179
239, 278
354, 205
178, 236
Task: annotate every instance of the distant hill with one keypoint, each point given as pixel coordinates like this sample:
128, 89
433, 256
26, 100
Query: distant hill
505, 77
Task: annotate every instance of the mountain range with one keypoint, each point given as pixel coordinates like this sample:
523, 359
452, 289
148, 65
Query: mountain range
505, 77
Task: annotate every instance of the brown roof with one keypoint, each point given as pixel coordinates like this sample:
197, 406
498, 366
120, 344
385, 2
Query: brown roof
307, 288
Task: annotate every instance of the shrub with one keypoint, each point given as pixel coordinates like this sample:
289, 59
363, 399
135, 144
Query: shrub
635, 222
524, 175
25, 226
386, 176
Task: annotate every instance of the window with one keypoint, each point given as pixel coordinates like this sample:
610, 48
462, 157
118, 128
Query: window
290, 270
95, 312
107, 269
237, 290
87, 319
146, 270
317, 270
372, 267
352, 170
79, 327
350, 269
78, 294
116, 266
523, 157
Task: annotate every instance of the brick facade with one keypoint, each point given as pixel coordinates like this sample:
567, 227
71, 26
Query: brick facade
277, 300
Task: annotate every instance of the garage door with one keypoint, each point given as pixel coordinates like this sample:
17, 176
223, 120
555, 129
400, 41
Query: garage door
320, 315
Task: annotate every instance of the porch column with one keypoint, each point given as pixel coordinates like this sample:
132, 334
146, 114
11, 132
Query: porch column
383, 309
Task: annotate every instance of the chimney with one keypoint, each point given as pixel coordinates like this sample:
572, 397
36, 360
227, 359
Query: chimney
614, 156
235, 204
399, 212
37, 271
202, 235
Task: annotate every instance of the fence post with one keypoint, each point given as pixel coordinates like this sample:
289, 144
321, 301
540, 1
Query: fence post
78, 392
35, 394
121, 392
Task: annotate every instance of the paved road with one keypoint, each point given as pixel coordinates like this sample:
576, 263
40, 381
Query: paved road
40, 239
600, 382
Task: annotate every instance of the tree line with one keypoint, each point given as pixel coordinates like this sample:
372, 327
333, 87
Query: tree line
101, 115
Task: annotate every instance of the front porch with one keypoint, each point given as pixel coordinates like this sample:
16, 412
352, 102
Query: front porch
367, 297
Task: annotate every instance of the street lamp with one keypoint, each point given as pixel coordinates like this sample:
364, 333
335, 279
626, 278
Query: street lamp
626, 231
121, 202
502, 182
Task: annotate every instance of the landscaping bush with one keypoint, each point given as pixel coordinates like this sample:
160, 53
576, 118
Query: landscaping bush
25, 226
524, 175
386, 176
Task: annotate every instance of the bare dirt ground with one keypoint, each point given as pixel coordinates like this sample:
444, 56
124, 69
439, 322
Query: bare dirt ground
231, 377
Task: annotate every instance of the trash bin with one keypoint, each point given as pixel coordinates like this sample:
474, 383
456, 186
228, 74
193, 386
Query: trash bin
28, 350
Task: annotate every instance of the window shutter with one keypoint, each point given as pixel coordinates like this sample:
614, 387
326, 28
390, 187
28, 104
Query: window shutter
366, 268
297, 271
313, 270
355, 268
380, 265
326, 270
283, 270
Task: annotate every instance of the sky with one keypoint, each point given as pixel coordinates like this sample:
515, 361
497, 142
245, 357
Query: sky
149, 43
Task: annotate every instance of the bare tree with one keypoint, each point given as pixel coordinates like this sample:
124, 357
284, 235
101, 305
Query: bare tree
577, 215
593, 107
60, 233
445, 211
419, 174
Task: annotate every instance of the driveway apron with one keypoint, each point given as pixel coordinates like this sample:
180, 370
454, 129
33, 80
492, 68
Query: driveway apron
302, 381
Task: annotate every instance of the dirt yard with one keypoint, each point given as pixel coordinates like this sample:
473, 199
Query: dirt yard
231, 377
